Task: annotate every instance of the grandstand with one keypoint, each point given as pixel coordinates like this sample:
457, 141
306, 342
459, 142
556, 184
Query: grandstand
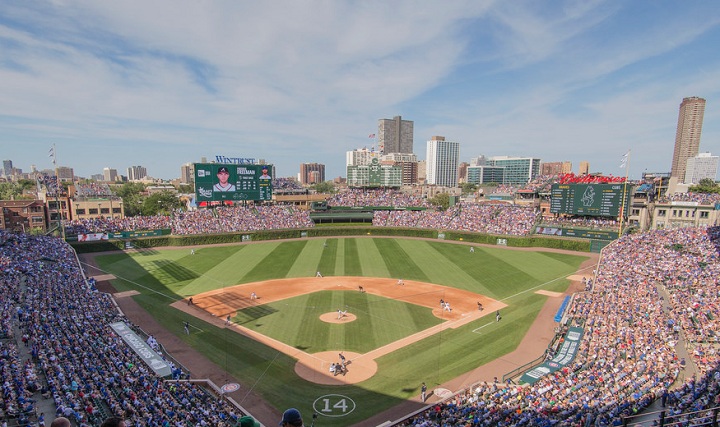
650, 322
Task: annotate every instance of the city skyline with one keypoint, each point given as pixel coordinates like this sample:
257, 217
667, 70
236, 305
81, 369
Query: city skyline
560, 81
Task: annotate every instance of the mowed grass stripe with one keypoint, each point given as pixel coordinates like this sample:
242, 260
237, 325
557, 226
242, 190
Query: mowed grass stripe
277, 263
438, 266
352, 259
502, 277
339, 245
370, 258
130, 266
306, 261
398, 262
228, 267
328, 252
538, 265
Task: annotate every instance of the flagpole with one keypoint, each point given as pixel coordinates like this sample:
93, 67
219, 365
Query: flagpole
624, 196
53, 153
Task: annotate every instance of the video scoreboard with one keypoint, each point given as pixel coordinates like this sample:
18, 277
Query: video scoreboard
232, 182
589, 199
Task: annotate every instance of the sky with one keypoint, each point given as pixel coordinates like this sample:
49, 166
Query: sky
161, 83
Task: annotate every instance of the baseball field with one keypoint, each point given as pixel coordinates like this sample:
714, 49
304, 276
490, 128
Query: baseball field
261, 312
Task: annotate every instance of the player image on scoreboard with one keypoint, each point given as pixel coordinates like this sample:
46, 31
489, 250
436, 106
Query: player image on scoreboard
232, 182
223, 184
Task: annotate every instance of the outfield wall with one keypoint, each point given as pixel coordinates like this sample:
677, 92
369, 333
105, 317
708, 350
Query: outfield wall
535, 241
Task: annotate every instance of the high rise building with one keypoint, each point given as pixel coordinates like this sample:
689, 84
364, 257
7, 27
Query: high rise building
110, 175
484, 174
584, 168
136, 173
7, 168
702, 166
407, 161
478, 161
517, 170
395, 135
687, 136
312, 173
360, 157
443, 158
555, 168
463, 172
187, 173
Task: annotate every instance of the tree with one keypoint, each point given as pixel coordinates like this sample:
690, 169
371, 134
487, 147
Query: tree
16, 190
162, 203
706, 185
186, 188
131, 194
325, 187
468, 187
441, 200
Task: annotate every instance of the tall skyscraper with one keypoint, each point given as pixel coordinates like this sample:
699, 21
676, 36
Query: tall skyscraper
395, 135
442, 160
687, 137
187, 173
312, 173
136, 173
110, 175
7, 168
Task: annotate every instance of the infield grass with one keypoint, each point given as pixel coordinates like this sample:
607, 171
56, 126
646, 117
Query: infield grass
163, 276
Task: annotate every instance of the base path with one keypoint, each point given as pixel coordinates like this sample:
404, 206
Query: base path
534, 343
217, 305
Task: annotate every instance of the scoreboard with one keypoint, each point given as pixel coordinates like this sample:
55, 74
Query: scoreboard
589, 199
232, 182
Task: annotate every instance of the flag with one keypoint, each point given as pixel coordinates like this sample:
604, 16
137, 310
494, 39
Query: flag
372, 135
623, 161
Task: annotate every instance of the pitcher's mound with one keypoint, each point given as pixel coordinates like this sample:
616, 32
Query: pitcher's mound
316, 368
332, 317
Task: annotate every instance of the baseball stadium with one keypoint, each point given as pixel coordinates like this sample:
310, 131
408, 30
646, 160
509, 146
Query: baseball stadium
440, 323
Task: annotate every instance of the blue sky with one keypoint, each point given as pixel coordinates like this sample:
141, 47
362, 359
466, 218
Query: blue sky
161, 83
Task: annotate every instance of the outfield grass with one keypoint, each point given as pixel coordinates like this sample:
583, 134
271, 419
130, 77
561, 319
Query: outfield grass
164, 276
295, 321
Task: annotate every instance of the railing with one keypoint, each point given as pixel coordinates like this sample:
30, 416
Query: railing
526, 367
705, 417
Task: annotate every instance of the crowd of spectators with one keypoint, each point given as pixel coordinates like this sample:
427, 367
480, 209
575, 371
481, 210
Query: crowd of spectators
480, 218
701, 198
116, 225
52, 185
377, 197
538, 184
627, 358
286, 184
652, 292
230, 219
93, 189
73, 357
